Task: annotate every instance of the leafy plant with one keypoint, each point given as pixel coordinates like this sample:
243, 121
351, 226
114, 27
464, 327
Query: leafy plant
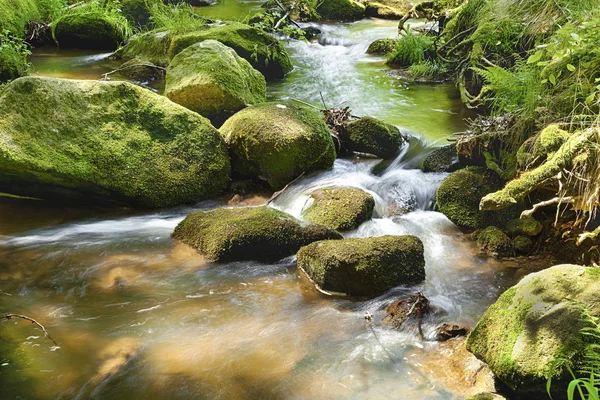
108, 10
13, 57
412, 49
177, 19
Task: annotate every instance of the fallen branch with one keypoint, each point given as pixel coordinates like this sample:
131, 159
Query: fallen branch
278, 193
33, 321
556, 200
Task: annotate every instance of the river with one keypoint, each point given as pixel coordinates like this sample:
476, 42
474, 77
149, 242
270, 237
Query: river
139, 316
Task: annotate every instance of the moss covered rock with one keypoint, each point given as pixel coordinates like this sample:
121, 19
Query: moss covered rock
364, 266
211, 79
459, 195
527, 226
382, 46
388, 9
522, 244
370, 135
108, 142
342, 209
248, 233
276, 142
89, 30
340, 10
532, 324
442, 159
495, 242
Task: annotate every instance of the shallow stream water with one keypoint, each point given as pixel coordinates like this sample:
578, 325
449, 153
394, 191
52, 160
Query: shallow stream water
139, 316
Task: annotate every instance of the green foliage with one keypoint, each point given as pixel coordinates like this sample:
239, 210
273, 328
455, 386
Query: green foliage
429, 69
15, 14
177, 19
411, 49
13, 57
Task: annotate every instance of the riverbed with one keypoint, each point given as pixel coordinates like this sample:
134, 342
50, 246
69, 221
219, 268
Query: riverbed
137, 315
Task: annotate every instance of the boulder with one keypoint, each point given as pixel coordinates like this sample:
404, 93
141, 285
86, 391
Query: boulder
534, 323
276, 142
212, 80
459, 195
442, 159
370, 135
522, 244
89, 30
365, 267
495, 242
248, 233
448, 331
342, 209
527, 226
388, 9
396, 313
340, 10
106, 142
261, 50
382, 46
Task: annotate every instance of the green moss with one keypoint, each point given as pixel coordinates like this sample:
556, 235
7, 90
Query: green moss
211, 79
248, 233
494, 241
340, 10
537, 149
370, 135
342, 209
276, 142
459, 195
264, 52
532, 324
94, 29
527, 226
111, 141
382, 46
364, 266
15, 14
442, 159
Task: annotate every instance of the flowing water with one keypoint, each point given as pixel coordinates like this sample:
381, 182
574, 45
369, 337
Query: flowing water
139, 316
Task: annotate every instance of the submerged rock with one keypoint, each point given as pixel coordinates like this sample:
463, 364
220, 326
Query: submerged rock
370, 135
382, 46
459, 195
90, 30
448, 331
247, 233
442, 159
399, 311
276, 142
212, 80
494, 242
535, 322
340, 10
106, 142
342, 209
364, 266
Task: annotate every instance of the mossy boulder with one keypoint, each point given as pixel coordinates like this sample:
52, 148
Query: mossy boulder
527, 226
370, 135
495, 242
340, 10
522, 244
442, 159
276, 142
382, 46
211, 79
365, 267
260, 49
248, 233
533, 323
342, 209
106, 142
459, 195
89, 30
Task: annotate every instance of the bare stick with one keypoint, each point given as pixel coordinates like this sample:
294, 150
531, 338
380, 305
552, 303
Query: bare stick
33, 321
323, 100
278, 193
556, 200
